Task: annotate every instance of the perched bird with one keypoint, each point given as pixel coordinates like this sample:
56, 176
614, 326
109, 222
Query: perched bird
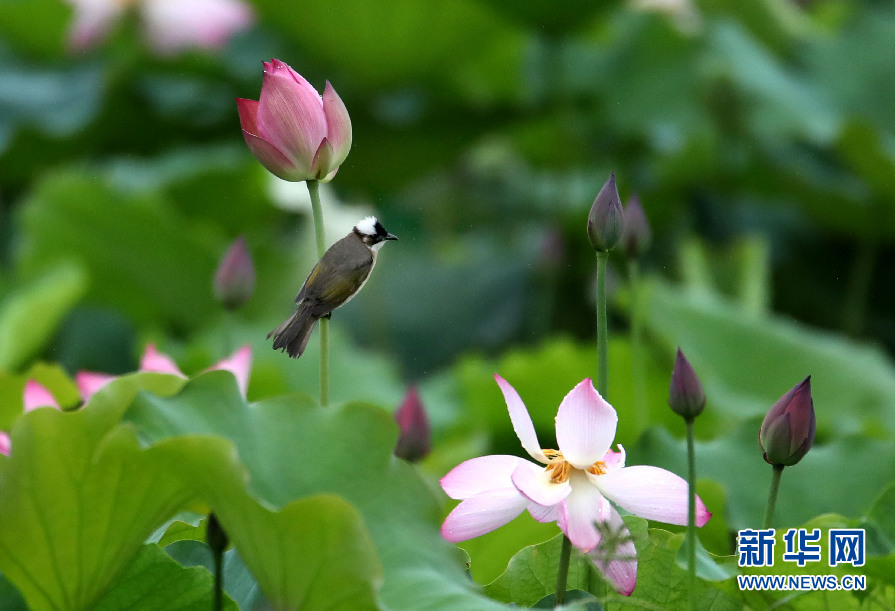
334, 281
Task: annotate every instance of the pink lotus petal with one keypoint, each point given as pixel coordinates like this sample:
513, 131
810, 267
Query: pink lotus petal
90, 382
616, 558
585, 425
240, 365
543, 514
482, 513
174, 25
479, 475
322, 163
153, 360
651, 493
5, 444
290, 115
581, 509
274, 160
522, 424
338, 125
614, 460
534, 482
36, 395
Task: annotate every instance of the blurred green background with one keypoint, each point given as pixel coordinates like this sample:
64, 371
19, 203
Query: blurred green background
760, 137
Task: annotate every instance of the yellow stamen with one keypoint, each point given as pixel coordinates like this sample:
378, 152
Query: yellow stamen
560, 469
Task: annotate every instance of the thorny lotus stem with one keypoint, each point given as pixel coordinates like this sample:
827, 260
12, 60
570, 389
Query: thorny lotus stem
602, 326
317, 211
772, 496
562, 575
691, 519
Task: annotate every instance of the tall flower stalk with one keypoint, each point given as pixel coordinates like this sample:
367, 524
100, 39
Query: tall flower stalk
687, 399
786, 435
299, 135
604, 229
635, 240
320, 236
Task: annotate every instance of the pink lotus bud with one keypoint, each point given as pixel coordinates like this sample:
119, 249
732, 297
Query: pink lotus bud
5, 444
605, 221
293, 131
234, 281
636, 234
685, 396
415, 441
788, 429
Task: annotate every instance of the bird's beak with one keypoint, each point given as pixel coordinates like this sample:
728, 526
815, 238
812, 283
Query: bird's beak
391, 236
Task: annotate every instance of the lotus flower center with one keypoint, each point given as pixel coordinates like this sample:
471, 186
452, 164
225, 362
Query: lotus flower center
560, 469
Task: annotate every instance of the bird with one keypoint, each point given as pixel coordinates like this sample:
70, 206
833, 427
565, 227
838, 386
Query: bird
339, 275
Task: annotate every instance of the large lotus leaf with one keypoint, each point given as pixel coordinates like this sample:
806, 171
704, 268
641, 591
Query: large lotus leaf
155, 581
135, 249
294, 448
79, 496
29, 316
313, 553
746, 362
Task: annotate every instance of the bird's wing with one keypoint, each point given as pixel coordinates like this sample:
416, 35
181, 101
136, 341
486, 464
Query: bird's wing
344, 280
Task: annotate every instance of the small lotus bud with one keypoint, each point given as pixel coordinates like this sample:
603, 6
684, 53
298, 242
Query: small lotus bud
788, 429
5, 444
606, 218
685, 396
636, 234
215, 536
234, 281
415, 441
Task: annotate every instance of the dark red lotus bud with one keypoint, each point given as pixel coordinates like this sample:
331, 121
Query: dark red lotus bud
415, 441
606, 218
787, 432
636, 233
685, 396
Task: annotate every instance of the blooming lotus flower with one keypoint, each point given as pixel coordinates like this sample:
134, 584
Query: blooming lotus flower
37, 395
293, 131
169, 26
573, 485
239, 364
34, 395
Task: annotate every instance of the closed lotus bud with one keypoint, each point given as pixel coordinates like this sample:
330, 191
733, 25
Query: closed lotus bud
685, 396
636, 234
787, 432
234, 280
415, 440
606, 218
295, 132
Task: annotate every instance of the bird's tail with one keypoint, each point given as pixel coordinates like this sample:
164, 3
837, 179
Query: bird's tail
293, 334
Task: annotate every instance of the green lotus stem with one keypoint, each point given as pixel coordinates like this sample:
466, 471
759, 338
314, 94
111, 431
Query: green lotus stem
772, 496
691, 517
218, 581
602, 326
317, 212
637, 364
562, 574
